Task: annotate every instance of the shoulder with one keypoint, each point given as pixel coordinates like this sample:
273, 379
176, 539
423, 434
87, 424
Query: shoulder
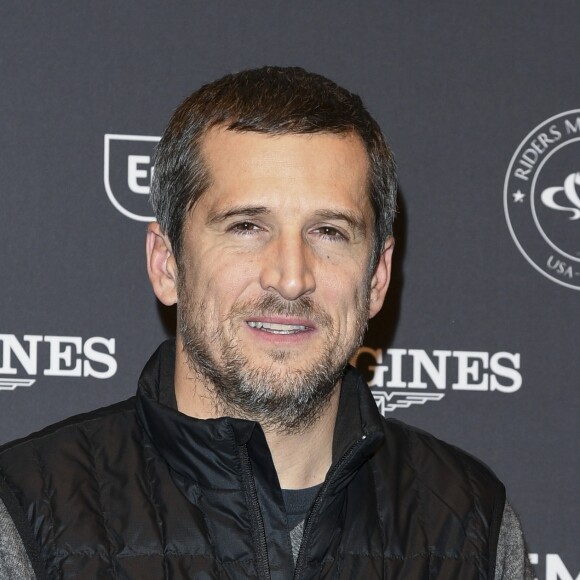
62, 441
435, 485
93, 419
426, 453
430, 472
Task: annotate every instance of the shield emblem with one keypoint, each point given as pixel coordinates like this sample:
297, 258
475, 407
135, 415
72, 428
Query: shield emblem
128, 170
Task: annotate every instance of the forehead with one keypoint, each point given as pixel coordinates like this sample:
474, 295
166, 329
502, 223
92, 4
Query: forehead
318, 169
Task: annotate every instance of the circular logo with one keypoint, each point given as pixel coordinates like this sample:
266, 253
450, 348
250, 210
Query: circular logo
542, 198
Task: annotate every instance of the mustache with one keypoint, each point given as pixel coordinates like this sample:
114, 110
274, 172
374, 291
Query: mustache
274, 305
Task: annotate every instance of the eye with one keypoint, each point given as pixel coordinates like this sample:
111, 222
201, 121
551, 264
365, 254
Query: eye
331, 233
244, 228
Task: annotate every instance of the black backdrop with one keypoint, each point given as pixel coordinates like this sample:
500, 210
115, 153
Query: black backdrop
479, 340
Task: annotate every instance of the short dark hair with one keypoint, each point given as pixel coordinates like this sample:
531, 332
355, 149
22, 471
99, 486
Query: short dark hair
273, 101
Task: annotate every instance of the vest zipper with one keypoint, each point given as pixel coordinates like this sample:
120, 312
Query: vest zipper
258, 530
301, 559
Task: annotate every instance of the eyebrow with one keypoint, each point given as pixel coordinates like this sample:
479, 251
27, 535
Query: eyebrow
216, 217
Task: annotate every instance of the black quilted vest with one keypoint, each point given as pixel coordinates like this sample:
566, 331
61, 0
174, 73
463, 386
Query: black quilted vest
138, 490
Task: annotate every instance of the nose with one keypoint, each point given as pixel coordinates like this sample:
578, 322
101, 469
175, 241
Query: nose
288, 267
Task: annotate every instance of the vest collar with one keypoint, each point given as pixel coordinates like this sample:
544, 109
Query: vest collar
205, 451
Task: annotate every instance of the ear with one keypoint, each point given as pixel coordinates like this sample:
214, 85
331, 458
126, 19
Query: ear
161, 265
381, 278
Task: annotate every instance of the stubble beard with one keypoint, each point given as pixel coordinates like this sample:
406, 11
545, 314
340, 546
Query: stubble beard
281, 401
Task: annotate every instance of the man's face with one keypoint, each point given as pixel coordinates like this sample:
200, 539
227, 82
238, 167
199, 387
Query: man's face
273, 284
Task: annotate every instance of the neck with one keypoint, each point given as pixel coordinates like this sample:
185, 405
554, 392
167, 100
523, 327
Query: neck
301, 459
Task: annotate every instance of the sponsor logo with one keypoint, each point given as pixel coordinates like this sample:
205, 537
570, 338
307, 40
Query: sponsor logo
554, 569
56, 356
542, 198
128, 171
400, 378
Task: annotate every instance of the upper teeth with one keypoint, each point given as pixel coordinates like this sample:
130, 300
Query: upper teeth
274, 327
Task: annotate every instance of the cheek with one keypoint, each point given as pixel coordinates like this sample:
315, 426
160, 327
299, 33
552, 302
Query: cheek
343, 298
223, 283
343, 280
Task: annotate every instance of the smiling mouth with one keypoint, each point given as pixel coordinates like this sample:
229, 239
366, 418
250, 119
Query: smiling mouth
276, 328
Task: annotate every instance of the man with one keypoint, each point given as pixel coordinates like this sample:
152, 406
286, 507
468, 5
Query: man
252, 450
